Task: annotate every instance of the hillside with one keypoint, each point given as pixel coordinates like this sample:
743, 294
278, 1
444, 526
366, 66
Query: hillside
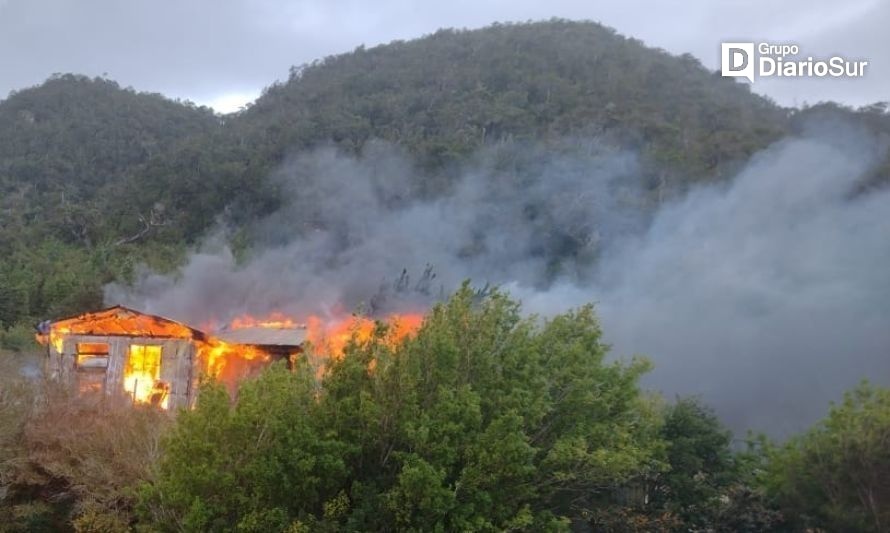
447, 94
96, 179
443, 97
67, 151
63, 143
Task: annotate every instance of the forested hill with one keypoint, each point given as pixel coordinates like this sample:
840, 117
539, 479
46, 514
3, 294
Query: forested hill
95, 179
72, 154
448, 94
63, 143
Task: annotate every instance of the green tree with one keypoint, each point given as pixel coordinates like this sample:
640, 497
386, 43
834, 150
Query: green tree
483, 421
707, 485
834, 476
700, 459
487, 421
253, 465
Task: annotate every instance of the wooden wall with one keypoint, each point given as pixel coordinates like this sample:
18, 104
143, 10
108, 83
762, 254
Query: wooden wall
179, 364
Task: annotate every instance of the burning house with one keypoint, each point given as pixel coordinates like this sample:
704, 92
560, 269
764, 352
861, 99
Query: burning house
152, 359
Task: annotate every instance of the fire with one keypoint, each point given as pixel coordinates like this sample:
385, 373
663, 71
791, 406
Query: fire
331, 337
226, 361
57, 337
230, 362
142, 374
229, 354
275, 320
117, 322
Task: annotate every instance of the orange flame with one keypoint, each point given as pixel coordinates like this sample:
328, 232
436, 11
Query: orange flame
230, 362
142, 376
275, 320
331, 337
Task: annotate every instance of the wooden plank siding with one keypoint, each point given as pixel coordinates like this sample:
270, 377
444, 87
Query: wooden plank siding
179, 365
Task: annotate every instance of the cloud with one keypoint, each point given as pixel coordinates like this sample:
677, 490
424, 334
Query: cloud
183, 49
231, 102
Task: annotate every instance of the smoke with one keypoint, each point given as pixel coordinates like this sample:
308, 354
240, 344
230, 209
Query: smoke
768, 295
361, 233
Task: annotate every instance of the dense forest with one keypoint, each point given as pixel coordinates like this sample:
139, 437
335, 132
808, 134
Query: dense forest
485, 420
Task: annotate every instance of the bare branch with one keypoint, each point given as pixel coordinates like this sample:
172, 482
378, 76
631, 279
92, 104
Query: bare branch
155, 219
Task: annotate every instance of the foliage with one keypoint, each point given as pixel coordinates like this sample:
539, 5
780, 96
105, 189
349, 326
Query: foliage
708, 486
251, 466
18, 338
703, 486
448, 94
100, 521
701, 462
484, 421
835, 475
17, 395
626, 519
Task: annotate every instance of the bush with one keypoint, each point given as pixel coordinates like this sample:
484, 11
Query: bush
484, 420
834, 476
250, 465
18, 338
75, 460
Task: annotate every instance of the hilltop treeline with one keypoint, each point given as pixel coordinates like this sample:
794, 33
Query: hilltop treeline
484, 421
95, 178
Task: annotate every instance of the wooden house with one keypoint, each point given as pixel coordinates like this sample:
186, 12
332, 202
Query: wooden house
150, 359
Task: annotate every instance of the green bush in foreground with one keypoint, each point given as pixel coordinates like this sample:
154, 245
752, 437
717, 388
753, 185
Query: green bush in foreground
484, 421
836, 476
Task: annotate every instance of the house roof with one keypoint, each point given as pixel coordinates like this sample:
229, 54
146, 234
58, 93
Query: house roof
260, 336
123, 321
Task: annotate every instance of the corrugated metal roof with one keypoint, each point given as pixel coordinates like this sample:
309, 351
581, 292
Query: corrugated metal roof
259, 336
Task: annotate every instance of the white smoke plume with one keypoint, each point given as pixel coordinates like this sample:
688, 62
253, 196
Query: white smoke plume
768, 295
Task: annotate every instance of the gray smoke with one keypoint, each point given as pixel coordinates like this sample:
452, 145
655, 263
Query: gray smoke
768, 295
351, 227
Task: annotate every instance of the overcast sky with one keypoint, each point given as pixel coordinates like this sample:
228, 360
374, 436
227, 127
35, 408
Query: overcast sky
223, 52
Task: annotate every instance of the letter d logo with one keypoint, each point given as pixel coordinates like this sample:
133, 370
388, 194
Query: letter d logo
737, 60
